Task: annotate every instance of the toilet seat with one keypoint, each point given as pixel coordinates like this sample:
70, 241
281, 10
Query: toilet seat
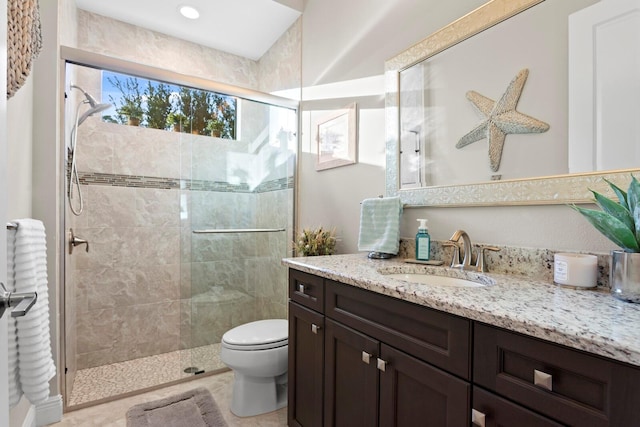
258, 335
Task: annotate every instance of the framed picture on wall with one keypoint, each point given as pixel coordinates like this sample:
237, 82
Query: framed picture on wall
338, 139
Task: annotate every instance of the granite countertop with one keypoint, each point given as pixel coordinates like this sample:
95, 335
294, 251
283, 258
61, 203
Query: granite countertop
587, 320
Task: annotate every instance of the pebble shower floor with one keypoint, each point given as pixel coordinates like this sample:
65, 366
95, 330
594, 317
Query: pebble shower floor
101, 382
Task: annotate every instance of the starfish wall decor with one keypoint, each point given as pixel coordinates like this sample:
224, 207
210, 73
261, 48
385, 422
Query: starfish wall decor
501, 118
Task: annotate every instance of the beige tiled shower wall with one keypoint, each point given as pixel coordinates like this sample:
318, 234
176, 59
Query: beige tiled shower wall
128, 284
148, 285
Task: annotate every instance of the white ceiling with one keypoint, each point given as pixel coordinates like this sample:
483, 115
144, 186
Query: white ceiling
246, 28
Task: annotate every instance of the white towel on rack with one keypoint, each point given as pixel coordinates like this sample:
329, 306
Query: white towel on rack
15, 391
27, 272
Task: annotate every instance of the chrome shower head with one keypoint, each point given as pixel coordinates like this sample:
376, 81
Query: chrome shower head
91, 111
95, 106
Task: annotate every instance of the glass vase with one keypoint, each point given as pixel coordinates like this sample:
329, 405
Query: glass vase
624, 276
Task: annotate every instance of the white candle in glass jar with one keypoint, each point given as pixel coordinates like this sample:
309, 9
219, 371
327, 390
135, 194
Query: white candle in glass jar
579, 270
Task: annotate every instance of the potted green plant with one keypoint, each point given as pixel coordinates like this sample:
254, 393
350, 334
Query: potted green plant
619, 221
158, 105
132, 112
312, 242
215, 127
177, 121
200, 111
223, 110
129, 105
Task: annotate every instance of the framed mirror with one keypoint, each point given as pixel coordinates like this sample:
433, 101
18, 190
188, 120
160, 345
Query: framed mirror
559, 175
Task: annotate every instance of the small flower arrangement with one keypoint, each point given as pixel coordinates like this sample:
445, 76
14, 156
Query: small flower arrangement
618, 221
312, 242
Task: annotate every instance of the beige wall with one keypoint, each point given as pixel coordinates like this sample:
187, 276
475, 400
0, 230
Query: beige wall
350, 48
20, 140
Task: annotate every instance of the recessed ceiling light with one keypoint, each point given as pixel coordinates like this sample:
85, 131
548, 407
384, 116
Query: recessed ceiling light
189, 12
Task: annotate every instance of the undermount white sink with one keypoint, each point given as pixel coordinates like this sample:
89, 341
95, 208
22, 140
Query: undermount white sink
431, 279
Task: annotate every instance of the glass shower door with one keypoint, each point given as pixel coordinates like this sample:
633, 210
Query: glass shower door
148, 304
240, 222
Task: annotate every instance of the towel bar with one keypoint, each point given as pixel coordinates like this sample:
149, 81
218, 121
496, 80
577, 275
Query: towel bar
21, 302
239, 230
12, 226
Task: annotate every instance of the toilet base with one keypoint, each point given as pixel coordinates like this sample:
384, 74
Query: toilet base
258, 395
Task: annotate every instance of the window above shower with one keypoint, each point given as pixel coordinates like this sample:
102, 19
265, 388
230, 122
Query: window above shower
154, 104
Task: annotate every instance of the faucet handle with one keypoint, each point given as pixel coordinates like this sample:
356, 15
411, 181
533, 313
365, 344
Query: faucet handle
455, 256
480, 262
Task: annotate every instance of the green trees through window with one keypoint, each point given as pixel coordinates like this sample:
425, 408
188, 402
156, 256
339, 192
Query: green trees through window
149, 103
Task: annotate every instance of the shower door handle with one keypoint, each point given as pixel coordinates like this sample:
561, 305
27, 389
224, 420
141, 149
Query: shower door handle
20, 302
75, 241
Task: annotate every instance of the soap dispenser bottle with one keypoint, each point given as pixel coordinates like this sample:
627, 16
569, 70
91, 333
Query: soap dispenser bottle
423, 242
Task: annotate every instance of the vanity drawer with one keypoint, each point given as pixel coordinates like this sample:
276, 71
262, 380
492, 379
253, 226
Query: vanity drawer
430, 335
502, 412
567, 385
307, 290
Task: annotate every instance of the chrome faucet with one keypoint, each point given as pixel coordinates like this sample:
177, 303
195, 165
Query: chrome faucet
466, 248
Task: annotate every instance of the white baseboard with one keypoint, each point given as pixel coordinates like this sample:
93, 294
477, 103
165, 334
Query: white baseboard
49, 411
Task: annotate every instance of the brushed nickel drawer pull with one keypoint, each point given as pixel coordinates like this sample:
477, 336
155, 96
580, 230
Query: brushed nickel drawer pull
478, 418
315, 328
366, 357
382, 365
301, 288
542, 380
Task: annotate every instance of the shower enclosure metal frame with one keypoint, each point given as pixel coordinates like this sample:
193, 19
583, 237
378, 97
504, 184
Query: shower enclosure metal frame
74, 56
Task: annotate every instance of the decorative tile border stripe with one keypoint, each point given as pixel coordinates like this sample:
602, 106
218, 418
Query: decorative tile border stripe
275, 185
141, 181
202, 185
138, 181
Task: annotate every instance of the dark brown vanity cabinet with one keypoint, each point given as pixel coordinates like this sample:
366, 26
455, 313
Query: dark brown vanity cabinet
383, 351
368, 383
385, 361
359, 358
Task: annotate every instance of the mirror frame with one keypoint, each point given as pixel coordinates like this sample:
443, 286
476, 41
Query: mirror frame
557, 189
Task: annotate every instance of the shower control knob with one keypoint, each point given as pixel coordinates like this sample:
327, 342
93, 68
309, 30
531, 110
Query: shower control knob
75, 241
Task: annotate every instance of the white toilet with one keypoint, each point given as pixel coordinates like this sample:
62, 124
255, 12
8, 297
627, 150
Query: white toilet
257, 354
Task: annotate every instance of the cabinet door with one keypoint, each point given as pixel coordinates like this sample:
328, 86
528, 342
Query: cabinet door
351, 377
499, 412
415, 393
306, 350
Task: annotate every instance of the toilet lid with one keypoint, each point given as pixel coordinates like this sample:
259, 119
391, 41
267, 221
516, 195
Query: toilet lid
262, 333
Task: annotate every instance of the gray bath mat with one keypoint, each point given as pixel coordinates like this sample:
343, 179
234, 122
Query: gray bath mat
194, 408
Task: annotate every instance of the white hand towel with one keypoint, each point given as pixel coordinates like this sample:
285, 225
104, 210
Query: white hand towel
28, 273
380, 225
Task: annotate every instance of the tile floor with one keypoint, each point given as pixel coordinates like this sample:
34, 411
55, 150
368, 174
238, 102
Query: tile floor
112, 414
106, 381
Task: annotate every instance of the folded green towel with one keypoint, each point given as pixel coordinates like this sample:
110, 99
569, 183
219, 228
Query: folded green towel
380, 225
